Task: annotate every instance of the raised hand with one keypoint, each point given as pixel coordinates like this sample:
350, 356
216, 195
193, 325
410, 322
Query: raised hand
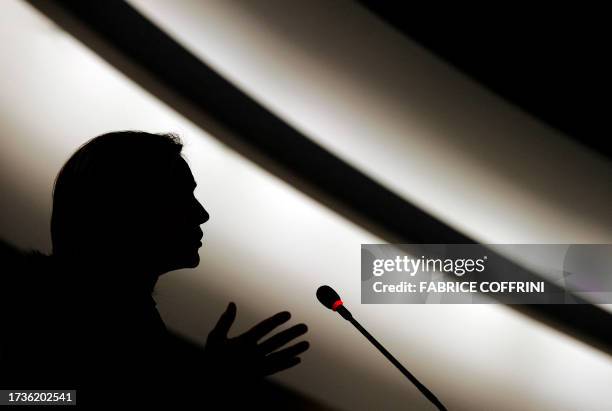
245, 355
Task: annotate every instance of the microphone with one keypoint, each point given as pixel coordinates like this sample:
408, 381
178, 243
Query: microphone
330, 299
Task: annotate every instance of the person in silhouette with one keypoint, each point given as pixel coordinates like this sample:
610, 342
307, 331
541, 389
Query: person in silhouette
124, 213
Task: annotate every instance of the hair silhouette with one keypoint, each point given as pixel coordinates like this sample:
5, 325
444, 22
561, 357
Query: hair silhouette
124, 213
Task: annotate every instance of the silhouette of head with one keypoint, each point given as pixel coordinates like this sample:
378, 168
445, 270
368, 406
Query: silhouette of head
126, 198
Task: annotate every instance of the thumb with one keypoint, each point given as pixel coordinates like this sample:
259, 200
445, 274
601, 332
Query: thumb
225, 321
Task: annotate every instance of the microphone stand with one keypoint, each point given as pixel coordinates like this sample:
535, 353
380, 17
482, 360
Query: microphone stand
424, 390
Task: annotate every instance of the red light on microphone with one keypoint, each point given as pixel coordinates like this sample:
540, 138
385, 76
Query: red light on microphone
337, 304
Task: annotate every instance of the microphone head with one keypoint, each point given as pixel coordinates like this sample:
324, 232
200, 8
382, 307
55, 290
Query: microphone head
328, 297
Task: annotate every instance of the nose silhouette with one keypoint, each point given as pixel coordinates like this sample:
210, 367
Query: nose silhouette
203, 215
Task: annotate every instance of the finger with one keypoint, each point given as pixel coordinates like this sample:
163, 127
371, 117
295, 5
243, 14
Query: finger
225, 321
277, 366
282, 338
267, 325
279, 359
290, 351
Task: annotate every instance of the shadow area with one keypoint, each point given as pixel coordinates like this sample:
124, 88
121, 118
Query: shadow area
84, 318
110, 346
